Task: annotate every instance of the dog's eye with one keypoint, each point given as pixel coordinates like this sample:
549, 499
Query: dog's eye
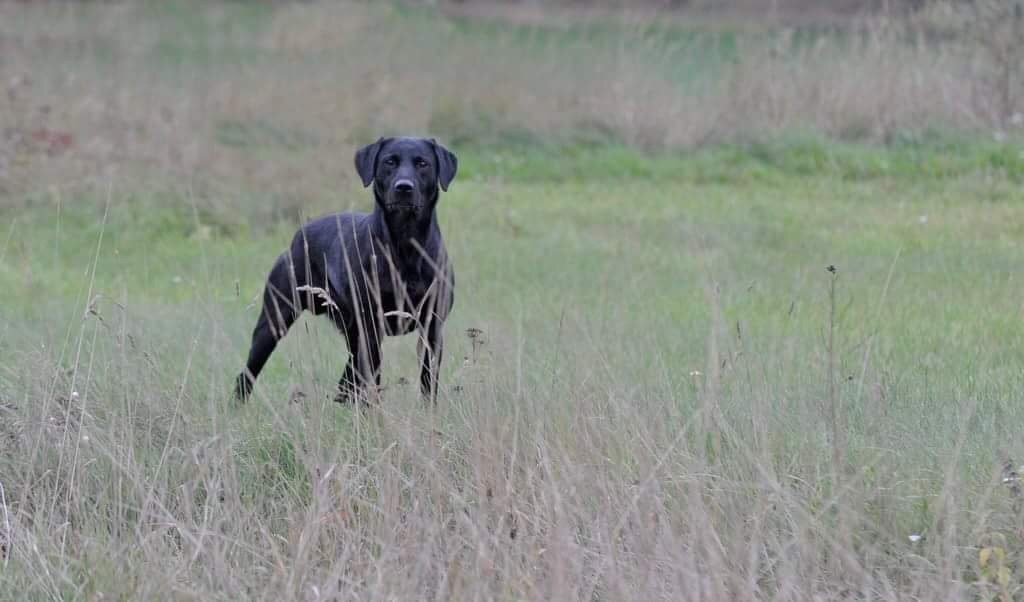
391, 161
420, 163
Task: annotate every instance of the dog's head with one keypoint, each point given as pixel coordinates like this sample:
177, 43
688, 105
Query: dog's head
406, 173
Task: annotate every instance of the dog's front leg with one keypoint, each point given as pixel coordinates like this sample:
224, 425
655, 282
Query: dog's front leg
347, 388
363, 367
430, 346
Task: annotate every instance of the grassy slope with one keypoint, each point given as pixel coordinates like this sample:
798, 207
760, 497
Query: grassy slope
625, 299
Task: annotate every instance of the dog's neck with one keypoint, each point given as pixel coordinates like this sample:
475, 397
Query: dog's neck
403, 233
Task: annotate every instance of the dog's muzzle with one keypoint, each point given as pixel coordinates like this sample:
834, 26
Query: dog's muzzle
404, 187
403, 196
402, 205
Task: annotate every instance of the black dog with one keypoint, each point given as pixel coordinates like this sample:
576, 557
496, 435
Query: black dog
376, 274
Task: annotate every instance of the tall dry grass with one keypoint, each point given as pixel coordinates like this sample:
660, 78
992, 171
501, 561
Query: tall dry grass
126, 476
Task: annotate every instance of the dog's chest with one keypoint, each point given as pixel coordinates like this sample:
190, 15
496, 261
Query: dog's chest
404, 297
402, 310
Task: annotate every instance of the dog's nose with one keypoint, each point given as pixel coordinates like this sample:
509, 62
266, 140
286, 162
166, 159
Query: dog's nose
404, 186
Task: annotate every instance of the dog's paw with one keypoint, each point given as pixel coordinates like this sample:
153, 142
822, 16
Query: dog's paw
358, 396
344, 395
243, 388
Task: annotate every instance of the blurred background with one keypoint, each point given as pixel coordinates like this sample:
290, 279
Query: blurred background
269, 98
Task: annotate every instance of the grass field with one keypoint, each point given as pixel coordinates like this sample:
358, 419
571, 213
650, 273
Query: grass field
653, 388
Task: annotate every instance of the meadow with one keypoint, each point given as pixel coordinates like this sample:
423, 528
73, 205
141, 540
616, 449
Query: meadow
739, 310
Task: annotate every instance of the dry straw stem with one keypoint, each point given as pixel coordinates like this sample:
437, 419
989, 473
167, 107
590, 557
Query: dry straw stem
6, 538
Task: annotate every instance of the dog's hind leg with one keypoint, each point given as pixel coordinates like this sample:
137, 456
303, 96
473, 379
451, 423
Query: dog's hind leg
280, 310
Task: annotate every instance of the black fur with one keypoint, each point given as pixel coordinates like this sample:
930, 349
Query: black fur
374, 274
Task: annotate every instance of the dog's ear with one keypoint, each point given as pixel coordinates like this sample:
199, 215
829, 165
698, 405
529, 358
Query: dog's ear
447, 164
366, 161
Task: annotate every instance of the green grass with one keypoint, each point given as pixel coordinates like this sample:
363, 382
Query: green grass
590, 290
626, 255
682, 53
777, 161
649, 407
593, 291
